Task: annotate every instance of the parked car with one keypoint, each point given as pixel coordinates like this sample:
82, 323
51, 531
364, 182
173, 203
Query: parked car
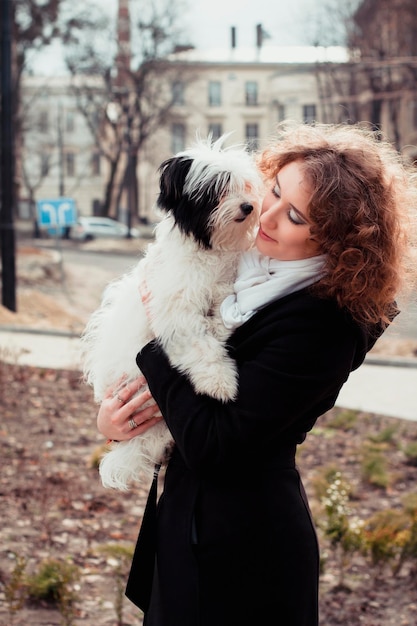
88, 228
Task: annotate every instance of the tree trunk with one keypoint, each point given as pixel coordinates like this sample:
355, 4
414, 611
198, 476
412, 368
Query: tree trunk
376, 108
394, 106
135, 186
109, 189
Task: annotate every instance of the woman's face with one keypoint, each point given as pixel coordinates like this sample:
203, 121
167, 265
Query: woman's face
284, 230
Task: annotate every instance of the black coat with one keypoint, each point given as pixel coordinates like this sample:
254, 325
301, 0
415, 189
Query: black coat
235, 542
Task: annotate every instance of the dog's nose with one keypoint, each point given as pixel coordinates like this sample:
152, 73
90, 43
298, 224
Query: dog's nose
246, 208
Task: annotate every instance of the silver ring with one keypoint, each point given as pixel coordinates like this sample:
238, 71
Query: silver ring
132, 423
116, 395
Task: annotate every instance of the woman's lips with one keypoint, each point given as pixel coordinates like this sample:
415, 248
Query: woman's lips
263, 235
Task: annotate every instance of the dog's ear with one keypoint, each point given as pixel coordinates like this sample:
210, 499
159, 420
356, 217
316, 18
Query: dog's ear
173, 173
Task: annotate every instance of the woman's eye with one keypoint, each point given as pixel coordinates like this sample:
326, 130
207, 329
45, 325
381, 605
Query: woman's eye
276, 191
295, 218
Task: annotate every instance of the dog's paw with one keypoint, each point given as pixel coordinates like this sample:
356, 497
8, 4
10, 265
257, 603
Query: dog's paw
218, 380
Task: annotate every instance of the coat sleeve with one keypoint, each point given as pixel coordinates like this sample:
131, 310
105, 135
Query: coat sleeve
289, 374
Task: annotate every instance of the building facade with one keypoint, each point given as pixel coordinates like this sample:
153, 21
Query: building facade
59, 157
242, 92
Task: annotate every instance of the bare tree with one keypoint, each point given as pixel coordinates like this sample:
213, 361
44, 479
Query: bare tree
386, 36
35, 25
134, 91
39, 139
380, 74
338, 85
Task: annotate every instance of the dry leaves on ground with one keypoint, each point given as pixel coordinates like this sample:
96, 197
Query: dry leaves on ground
53, 504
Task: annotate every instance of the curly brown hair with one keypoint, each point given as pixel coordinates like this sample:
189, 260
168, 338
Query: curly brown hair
363, 196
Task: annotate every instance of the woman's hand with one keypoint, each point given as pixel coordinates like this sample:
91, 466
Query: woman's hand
123, 414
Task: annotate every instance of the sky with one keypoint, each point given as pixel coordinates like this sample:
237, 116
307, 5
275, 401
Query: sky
286, 21
208, 24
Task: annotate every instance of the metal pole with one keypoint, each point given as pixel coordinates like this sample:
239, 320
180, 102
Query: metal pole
7, 161
61, 190
130, 194
129, 165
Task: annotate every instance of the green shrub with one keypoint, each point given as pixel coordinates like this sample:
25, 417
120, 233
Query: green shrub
342, 529
374, 465
383, 534
120, 557
14, 586
410, 452
54, 583
344, 420
386, 435
326, 475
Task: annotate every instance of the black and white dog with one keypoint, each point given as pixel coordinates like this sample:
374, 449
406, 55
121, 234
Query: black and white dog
211, 199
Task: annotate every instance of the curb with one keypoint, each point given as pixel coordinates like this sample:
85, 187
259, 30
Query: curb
391, 361
121, 246
49, 332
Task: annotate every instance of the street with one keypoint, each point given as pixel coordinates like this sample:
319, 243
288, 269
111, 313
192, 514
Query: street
112, 263
115, 264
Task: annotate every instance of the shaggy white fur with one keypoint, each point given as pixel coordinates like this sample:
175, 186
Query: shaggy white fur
187, 279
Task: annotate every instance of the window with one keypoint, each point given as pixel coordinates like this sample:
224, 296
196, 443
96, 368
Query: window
70, 164
251, 93
178, 138
95, 164
215, 130
43, 122
44, 164
70, 122
178, 93
215, 93
252, 136
280, 113
309, 113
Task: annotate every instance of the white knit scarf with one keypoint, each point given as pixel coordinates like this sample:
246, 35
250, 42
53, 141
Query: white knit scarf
261, 279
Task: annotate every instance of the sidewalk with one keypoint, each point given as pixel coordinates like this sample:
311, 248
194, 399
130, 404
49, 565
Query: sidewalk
386, 386
383, 388
57, 350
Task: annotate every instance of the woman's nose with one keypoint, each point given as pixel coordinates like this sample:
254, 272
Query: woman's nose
270, 212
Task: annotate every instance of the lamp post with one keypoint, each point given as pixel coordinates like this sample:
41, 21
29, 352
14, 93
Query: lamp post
7, 164
61, 190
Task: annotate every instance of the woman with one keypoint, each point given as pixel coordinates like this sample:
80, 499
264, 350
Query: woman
233, 536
